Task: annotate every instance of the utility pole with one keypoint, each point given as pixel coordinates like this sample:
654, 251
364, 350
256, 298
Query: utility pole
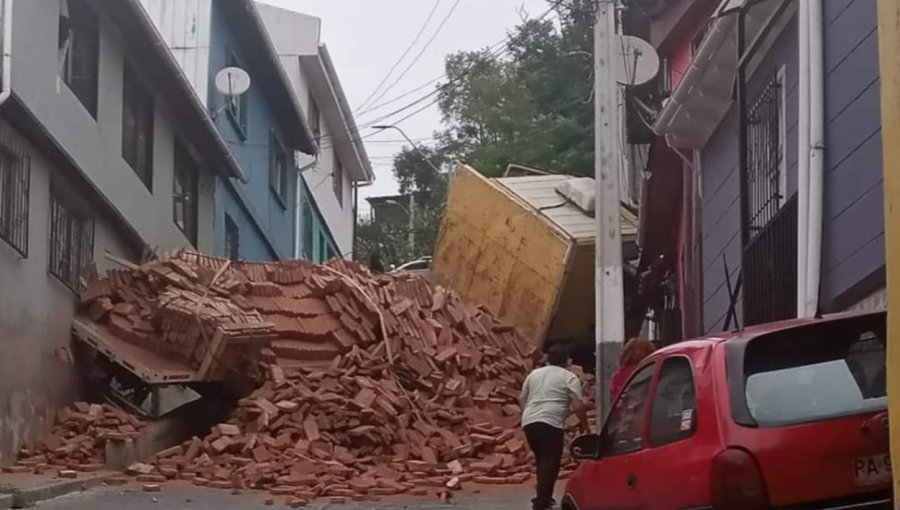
610, 306
412, 225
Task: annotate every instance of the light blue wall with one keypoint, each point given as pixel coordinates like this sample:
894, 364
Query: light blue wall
267, 228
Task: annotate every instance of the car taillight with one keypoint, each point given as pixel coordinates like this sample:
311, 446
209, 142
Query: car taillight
737, 483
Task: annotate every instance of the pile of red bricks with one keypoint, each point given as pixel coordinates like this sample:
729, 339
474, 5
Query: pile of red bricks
306, 313
371, 385
77, 442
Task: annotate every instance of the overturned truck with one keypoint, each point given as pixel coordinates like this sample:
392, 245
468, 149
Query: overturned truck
523, 246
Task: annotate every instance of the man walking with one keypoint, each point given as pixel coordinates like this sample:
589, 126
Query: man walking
548, 395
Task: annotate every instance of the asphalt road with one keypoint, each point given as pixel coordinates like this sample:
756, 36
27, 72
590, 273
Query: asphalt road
191, 498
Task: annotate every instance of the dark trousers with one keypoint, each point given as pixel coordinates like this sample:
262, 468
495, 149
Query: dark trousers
546, 441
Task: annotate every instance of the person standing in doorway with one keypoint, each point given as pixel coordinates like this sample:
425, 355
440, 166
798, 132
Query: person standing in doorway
635, 351
549, 394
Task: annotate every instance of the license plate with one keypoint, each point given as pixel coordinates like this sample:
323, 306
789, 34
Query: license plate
872, 470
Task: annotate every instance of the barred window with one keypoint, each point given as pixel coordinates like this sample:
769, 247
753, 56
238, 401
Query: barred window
71, 242
15, 178
766, 163
770, 216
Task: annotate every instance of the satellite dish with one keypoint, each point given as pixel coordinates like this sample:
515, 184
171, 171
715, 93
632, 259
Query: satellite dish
232, 81
636, 61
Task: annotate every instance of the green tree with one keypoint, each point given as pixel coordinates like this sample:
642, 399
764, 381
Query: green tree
531, 106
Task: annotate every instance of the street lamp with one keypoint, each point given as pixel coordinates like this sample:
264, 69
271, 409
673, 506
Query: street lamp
411, 235
408, 139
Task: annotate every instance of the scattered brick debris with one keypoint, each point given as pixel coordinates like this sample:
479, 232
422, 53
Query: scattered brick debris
78, 440
367, 386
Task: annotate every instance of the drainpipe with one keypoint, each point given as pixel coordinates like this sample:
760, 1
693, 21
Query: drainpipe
803, 144
6, 89
816, 154
370, 180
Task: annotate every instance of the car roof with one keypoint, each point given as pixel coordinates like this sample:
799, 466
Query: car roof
754, 331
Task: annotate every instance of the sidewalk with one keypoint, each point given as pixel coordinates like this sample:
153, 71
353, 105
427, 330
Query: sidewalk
186, 496
24, 491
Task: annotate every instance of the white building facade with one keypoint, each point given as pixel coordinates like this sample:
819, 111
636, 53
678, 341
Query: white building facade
330, 181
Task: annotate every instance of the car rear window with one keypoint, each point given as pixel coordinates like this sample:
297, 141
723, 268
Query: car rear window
816, 373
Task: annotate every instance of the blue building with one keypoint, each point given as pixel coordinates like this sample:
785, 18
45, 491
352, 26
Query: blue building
256, 217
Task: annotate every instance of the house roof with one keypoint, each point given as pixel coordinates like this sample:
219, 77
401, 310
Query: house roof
268, 71
190, 114
539, 192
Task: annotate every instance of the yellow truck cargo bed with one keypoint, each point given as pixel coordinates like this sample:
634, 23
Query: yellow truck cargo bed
517, 247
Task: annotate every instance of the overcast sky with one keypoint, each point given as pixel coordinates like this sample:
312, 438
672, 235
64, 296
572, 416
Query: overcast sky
366, 38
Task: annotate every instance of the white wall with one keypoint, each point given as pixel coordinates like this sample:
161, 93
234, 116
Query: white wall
338, 215
95, 146
35, 313
185, 26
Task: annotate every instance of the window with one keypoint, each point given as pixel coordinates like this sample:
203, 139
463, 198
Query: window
185, 192
816, 374
71, 242
232, 239
766, 162
769, 226
15, 180
315, 118
674, 414
79, 51
323, 247
137, 127
279, 164
337, 179
306, 228
624, 428
236, 106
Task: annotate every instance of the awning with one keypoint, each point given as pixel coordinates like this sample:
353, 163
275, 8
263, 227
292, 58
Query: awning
705, 94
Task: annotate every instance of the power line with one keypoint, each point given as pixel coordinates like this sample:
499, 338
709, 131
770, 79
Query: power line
409, 48
491, 56
494, 51
402, 96
418, 57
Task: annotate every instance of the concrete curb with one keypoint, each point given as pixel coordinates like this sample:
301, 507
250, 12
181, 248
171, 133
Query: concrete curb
26, 498
6, 501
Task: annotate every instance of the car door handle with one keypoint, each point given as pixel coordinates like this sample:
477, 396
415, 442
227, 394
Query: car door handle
632, 481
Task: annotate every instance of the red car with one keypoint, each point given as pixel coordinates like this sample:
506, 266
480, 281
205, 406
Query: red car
789, 415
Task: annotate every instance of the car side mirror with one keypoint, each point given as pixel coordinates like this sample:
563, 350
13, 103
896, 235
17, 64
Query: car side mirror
586, 447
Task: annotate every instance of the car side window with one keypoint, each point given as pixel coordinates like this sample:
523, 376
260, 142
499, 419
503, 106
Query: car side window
625, 425
674, 414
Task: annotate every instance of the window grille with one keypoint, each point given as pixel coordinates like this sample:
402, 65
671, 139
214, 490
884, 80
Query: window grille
15, 181
71, 243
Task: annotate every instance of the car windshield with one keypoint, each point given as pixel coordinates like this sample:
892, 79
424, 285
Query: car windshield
816, 373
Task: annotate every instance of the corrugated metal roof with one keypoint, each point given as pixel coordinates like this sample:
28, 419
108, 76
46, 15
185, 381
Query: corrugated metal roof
539, 191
